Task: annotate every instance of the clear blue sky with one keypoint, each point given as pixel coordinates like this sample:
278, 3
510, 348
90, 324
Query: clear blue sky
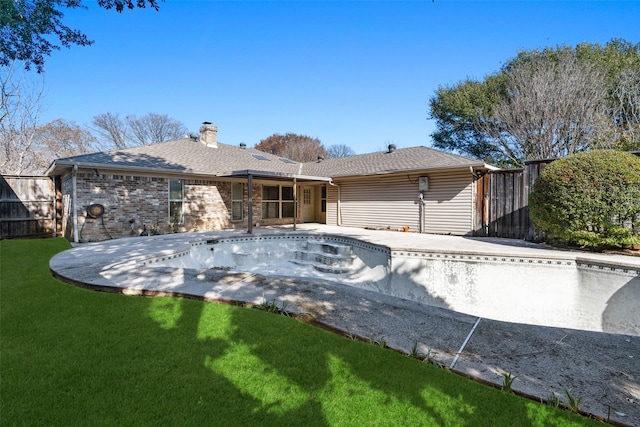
358, 73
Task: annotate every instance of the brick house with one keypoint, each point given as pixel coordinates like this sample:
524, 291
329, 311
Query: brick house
198, 183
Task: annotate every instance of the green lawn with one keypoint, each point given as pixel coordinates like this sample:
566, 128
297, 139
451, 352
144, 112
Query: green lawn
70, 356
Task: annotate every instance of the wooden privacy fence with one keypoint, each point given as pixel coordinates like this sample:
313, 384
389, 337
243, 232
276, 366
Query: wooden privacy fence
30, 206
503, 202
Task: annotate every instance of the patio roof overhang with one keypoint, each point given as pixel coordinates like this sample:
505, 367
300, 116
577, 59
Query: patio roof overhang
250, 174
277, 176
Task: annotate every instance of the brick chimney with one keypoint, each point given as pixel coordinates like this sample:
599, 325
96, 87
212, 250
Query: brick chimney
209, 135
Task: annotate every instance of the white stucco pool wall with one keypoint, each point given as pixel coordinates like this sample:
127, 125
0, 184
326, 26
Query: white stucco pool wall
546, 292
541, 291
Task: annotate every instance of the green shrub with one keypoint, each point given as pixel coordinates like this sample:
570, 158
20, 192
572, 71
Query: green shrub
590, 199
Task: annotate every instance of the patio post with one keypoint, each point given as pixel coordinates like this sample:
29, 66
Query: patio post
249, 204
295, 202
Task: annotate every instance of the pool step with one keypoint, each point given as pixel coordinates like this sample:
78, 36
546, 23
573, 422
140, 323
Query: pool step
334, 269
326, 257
330, 248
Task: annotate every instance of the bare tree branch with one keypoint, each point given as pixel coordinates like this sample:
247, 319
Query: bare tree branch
626, 109
19, 113
112, 130
153, 128
339, 150
549, 108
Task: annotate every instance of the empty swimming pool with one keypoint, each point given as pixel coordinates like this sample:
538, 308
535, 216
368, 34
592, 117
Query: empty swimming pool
550, 289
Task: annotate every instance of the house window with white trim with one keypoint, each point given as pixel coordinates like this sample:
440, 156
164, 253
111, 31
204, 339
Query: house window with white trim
237, 201
277, 201
176, 201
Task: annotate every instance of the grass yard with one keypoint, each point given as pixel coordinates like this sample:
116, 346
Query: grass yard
72, 357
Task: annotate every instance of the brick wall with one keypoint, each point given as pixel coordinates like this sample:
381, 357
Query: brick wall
145, 199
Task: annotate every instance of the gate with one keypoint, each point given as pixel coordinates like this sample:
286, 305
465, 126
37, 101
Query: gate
30, 206
502, 205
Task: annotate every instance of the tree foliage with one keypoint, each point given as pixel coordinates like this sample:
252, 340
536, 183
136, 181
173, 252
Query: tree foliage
300, 148
457, 110
31, 29
544, 104
591, 199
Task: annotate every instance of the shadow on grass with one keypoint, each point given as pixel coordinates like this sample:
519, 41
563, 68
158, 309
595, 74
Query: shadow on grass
72, 356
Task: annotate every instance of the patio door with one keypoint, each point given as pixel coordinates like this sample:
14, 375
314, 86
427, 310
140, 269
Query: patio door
307, 212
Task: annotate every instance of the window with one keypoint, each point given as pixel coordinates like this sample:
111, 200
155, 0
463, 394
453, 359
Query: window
277, 201
176, 201
323, 198
237, 201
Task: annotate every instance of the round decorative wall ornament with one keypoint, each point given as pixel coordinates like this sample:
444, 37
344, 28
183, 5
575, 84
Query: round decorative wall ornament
95, 210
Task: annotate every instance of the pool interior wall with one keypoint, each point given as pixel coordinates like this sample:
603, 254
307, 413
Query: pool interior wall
547, 292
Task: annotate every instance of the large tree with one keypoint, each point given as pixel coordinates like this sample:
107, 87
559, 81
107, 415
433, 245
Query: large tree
548, 107
339, 150
300, 148
19, 113
153, 128
32, 29
111, 130
620, 61
60, 138
457, 110
544, 103
116, 132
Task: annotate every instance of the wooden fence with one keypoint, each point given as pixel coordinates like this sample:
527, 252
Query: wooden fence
503, 202
30, 206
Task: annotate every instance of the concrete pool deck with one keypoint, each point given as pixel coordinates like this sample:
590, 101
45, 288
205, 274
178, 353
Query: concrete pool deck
604, 368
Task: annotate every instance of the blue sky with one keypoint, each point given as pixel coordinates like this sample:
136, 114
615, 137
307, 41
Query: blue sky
358, 73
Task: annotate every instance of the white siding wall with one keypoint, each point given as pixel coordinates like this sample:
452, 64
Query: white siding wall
332, 205
392, 201
449, 207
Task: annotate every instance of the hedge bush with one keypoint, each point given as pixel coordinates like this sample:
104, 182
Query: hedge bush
590, 199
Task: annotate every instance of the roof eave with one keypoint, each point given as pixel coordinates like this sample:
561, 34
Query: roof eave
475, 166
62, 166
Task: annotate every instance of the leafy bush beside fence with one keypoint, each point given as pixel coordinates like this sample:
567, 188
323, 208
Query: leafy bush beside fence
590, 199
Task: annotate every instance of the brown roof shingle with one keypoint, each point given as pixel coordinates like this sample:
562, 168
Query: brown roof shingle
190, 156
186, 156
400, 160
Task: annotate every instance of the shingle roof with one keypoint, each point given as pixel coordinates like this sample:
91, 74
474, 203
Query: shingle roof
405, 159
186, 156
193, 157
